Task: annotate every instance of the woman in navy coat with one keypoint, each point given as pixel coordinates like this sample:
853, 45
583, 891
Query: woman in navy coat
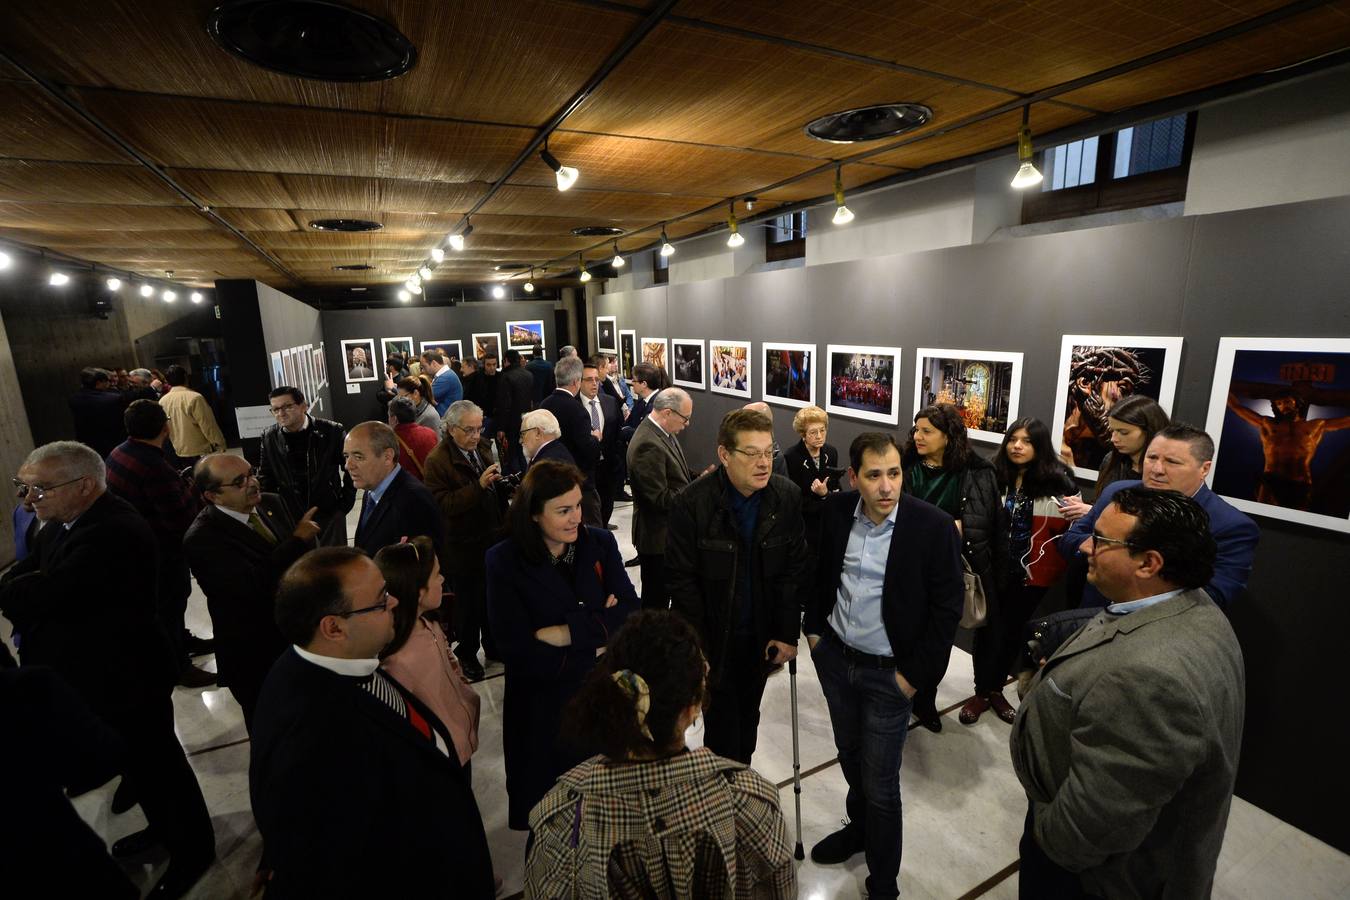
556, 592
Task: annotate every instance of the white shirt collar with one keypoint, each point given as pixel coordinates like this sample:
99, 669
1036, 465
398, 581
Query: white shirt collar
353, 668
234, 514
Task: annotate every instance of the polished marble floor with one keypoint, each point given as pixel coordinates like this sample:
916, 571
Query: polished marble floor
962, 819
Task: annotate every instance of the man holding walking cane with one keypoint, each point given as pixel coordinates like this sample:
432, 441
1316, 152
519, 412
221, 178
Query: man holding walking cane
880, 621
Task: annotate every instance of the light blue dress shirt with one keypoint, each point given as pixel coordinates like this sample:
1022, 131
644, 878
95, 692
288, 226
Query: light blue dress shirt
378, 491
857, 611
1122, 609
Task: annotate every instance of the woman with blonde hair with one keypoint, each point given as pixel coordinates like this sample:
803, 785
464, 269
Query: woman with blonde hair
813, 465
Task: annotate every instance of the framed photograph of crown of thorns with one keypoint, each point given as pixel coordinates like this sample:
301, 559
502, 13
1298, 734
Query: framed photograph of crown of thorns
789, 374
606, 335
523, 334
1096, 371
686, 357
487, 343
730, 368
862, 382
627, 352
358, 360
1279, 413
983, 385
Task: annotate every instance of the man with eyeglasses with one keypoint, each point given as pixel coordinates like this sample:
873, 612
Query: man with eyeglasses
84, 604
603, 412
658, 471
238, 547
1127, 741
344, 755
462, 480
26, 522
735, 559
579, 433
300, 459
541, 439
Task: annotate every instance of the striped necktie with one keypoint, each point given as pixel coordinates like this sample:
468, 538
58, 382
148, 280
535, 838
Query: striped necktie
256, 523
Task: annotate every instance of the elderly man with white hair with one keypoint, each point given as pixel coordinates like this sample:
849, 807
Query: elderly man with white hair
657, 471
85, 606
541, 438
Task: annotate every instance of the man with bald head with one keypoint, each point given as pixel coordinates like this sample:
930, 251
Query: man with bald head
396, 505
238, 546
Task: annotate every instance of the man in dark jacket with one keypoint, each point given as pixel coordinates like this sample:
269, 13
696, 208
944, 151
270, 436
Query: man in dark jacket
396, 505
84, 605
582, 440
880, 621
515, 397
301, 460
735, 553
605, 417
97, 409
541, 370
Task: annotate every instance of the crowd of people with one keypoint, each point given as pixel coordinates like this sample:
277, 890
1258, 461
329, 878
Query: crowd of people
484, 534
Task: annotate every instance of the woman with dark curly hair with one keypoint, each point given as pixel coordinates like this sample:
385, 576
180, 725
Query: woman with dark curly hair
649, 817
556, 591
941, 468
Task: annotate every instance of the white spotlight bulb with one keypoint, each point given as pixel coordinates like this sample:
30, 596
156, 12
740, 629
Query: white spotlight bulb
5, 260
567, 176
498, 292
147, 291
169, 296
456, 242
735, 240
1027, 176
585, 276
667, 248
424, 272
404, 296
416, 289
58, 278
195, 297
842, 215
529, 287
438, 255
114, 284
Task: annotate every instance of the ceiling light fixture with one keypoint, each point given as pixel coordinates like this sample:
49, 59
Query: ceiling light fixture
457, 240
404, 296
585, 275
567, 176
196, 297
5, 260
416, 289
498, 292
424, 273
667, 248
169, 296
147, 291
114, 284
529, 285
735, 240
437, 255
618, 260
842, 214
1027, 173
58, 279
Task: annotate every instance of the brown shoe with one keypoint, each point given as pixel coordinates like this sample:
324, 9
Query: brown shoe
1002, 706
974, 708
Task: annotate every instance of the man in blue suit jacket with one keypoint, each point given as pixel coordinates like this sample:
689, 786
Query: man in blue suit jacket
1178, 459
396, 505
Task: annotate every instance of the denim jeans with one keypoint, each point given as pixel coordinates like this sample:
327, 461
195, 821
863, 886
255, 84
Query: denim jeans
870, 717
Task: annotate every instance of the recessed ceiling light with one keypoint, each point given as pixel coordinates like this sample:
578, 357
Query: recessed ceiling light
869, 123
345, 225
353, 267
510, 267
597, 231
312, 39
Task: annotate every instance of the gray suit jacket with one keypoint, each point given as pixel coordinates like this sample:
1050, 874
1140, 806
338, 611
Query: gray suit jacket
656, 475
1127, 745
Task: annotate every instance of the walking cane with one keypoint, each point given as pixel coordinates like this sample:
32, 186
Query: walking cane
796, 758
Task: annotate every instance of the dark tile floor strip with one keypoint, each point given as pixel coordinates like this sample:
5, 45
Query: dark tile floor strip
989, 883
243, 740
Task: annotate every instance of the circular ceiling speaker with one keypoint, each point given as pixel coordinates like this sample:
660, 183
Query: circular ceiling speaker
354, 267
345, 225
510, 267
869, 123
312, 39
596, 231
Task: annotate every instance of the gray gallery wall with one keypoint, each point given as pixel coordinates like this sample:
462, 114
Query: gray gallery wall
422, 324
287, 322
1274, 271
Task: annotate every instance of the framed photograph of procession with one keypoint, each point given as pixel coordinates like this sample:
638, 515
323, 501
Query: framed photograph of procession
653, 351
358, 359
1279, 413
523, 334
983, 385
627, 352
487, 343
789, 374
449, 349
1094, 372
686, 356
730, 368
606, 335
862, 382
403, 346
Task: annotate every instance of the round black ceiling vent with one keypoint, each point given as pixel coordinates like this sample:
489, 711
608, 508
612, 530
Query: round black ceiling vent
345, 225
596, 231
312, 39
869, 123
510, 267
354, 267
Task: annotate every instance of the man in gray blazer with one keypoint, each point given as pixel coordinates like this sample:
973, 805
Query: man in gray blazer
1127, 741
657, 471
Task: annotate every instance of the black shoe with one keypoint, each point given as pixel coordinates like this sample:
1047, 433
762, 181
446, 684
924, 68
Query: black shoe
124, 798
179, 878
195, 677
632, 563
134, 844
472, 670
196, 646
839, 847
611, 526
932, 722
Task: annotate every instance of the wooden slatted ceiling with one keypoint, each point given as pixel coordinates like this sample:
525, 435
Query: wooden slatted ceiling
23, 180
262, 190
34, 127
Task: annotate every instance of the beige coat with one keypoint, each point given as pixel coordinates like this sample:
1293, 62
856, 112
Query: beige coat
192, 425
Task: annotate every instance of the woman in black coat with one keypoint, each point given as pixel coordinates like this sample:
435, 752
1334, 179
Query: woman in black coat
941, 467
814, 466
556, 591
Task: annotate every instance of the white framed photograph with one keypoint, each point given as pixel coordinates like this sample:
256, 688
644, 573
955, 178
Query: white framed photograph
862, 382
523, 334
358, 359
627, 352
687, 362
606, 335
487, 343
1094, 372
1279, 413
449, 349
278, 371
320, 377
403, 346
653, 352
789, 374
984, 385
730, 368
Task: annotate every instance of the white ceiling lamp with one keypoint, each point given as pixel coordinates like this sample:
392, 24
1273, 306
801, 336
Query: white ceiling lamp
1027, 173
58, 279
566, 175
529, 285
585, 276
404, 296
196, 297
424, 273
5, 260
735, 240
842, 214
437, 255
416, 289
169, 296
114, 284
618, 260
498, 292
147, 290
667, 248
457, 240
